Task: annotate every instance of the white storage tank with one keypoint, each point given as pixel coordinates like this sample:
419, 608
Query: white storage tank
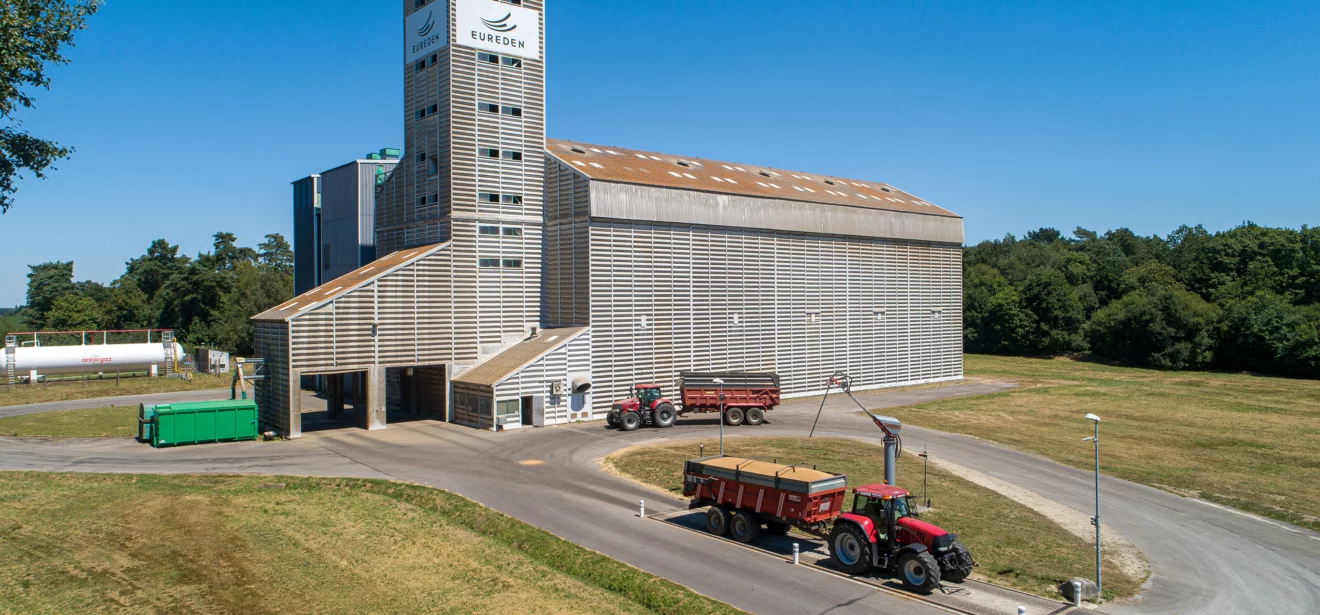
90, 359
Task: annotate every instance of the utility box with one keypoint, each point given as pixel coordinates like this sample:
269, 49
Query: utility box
199, 422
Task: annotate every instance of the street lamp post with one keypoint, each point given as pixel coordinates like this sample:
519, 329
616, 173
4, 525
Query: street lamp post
1099, 583
720, 383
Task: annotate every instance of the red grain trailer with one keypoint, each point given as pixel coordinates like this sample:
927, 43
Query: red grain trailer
747, 395
744, 493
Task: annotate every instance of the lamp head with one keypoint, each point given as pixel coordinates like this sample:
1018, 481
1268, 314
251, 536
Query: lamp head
1092, 417
718, 381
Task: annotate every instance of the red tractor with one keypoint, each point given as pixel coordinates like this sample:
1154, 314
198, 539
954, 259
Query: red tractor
645, 406
883, 531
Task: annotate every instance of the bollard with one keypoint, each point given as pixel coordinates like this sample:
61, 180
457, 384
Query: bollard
1022, 610
642, 509
702, 449
795, 554
1077, 593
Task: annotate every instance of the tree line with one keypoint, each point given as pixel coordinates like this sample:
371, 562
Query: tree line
208, 299
1243, 299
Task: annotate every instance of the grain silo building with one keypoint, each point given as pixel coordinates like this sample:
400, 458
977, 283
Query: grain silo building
525, 282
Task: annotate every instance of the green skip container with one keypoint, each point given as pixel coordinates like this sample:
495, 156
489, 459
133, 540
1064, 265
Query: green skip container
199, 422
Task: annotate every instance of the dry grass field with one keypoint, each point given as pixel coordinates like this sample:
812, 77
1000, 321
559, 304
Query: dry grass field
1247, 441
66, 390
1013, 545
92, 543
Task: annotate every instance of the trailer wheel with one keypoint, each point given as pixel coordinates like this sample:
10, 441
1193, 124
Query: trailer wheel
755, 416
850, 548
963, 567
776, 528
717, 520
744, 527
665, 415
733, 417
629, 421
919, 571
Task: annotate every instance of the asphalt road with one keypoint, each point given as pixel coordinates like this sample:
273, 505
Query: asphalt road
125, 400
1205, 559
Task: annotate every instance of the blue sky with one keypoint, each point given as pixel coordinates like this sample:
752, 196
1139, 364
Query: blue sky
190, 118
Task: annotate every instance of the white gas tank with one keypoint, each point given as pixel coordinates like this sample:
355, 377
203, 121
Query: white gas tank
89, 359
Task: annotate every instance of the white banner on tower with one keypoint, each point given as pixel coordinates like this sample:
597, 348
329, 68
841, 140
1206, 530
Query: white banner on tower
499, 28
426, 31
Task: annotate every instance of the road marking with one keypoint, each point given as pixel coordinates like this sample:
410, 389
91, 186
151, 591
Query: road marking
531, 462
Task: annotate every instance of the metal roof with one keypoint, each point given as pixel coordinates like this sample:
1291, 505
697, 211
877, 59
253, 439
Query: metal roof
345, 283
629, 166
500, 367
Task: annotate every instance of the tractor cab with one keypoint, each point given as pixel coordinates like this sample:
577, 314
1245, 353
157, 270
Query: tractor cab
883, 503
646, 394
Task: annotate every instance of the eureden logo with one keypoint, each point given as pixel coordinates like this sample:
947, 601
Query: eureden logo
428, 26
500, 25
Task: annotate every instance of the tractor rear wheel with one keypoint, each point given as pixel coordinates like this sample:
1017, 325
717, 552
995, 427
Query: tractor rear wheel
755, 416
958, 574
919, 571
665, 415
717, 520
629, 421
733, 417
744, 527
850, 548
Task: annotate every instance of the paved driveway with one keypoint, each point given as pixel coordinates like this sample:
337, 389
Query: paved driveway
1205, 559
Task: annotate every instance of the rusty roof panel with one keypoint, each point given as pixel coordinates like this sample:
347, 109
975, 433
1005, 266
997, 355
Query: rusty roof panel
345, 283
629, 166
500, 367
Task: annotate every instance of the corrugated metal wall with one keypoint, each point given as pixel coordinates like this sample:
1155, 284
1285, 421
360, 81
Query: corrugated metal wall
706, 298
566, 286
571, 358
274, 392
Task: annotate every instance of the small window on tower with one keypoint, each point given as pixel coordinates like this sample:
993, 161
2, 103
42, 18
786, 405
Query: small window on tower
433, 109
421, 157
488, 107
488, 230
510, 231
511, 111
419, 66
509, 154
433, 166
487, 152
421, 113
513, 263
512, 199
488, 197
433, 199
511, 62
488, 58
435, 57
488, 262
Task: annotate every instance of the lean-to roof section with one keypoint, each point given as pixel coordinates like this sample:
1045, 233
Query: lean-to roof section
345, 283
500, 367
629, 166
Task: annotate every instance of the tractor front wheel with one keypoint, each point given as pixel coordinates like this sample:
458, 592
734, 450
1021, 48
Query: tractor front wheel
919, 571
733, 417
755, 416
959, 573
611, 420
629, 421
665, 415
744, 527
717, 520
850, 548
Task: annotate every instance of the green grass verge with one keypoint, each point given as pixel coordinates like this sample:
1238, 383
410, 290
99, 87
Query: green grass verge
1246, 441
91, 543
1013, 545
87, 389
107, 422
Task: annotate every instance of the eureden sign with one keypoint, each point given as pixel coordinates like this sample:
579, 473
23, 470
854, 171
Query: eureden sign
499, 28
426, 31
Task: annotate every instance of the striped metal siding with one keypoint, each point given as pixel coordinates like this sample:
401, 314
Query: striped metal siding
467, 408
271, 343
708, 298
565, 299
415, 313
571, 358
